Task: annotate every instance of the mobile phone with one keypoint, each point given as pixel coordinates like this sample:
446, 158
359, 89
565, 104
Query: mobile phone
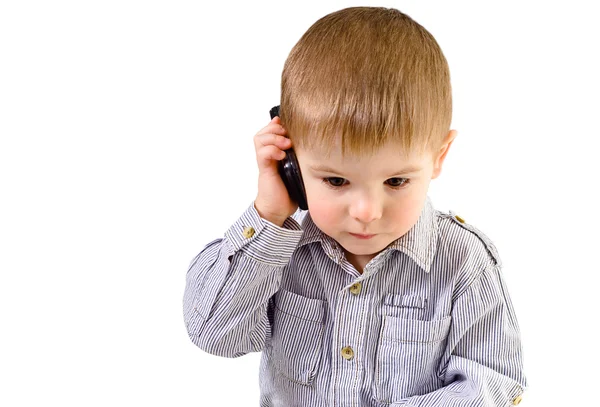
289, 170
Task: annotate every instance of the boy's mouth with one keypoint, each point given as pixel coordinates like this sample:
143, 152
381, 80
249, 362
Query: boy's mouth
361, 236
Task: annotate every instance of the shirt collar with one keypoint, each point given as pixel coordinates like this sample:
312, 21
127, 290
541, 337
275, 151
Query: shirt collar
419, 243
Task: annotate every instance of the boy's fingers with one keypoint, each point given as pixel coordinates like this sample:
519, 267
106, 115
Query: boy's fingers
273, 128
270, 130
267, 156
264, 140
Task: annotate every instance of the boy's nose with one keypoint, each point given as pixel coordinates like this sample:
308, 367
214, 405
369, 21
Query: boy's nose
366, 210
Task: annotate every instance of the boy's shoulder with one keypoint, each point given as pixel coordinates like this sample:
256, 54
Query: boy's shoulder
470, 237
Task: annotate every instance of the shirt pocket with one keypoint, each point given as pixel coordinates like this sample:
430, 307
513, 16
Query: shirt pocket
297, 336
409, 306
408, 356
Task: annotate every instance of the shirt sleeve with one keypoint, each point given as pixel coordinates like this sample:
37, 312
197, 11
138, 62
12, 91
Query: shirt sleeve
230, 282
483, 357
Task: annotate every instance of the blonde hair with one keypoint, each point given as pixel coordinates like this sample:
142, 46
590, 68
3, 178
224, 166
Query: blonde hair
368, 75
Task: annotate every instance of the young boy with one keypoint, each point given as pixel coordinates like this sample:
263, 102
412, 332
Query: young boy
415, 314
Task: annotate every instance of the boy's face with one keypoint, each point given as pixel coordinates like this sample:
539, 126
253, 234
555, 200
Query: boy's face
357, 195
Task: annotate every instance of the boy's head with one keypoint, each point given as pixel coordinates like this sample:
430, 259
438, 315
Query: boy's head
366, 91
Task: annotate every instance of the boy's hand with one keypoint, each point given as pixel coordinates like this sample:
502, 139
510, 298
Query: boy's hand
272, 202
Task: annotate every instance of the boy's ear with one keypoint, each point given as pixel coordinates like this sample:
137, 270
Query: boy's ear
441, 155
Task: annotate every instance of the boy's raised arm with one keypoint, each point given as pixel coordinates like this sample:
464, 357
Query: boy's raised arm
229, 284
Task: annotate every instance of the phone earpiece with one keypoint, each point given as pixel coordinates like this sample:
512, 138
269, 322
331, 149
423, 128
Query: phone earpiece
289, 170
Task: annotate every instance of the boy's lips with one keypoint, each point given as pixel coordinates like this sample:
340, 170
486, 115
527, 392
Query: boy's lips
360, 235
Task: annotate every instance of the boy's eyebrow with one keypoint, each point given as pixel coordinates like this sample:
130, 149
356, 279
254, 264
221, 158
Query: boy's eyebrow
324, 168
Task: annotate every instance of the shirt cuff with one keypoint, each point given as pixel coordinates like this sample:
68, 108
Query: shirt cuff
263, 240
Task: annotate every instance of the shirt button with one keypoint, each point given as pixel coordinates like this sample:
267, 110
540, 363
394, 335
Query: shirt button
248, 231
458, 218
347, 353
355, 288
517, 400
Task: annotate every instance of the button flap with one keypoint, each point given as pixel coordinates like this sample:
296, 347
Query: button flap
405, 300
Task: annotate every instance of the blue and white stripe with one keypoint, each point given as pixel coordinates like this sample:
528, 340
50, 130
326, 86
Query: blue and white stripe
428, 323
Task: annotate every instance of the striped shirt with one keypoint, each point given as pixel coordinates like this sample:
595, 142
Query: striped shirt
429, 322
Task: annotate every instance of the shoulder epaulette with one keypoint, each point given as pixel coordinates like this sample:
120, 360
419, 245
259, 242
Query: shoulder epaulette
489, 245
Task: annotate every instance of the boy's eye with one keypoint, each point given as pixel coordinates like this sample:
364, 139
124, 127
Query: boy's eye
337, 183
401, 181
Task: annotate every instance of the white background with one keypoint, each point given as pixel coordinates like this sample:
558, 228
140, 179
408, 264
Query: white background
127, 145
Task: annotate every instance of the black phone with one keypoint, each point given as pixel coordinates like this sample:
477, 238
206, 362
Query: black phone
289, 170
